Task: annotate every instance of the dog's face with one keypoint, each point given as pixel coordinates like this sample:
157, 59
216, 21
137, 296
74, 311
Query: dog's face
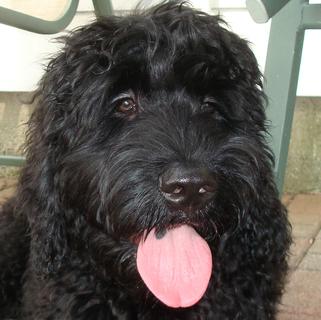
164, 99
157, 121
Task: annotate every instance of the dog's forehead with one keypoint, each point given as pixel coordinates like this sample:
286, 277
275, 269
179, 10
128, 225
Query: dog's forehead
162, 51
192, 72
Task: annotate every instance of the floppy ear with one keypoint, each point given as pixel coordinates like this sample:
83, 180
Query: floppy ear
55, 128
246, 76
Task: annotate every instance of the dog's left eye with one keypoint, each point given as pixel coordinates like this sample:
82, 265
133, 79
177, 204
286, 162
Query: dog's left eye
209, 106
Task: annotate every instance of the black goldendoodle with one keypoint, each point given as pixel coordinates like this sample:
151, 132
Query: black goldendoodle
148, 190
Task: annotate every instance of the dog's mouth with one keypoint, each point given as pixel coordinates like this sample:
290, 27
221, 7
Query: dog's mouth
175, 264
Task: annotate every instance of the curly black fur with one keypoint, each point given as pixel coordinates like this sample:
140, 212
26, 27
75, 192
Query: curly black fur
90, 184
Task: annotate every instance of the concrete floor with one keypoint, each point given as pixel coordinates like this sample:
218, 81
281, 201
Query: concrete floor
302, 298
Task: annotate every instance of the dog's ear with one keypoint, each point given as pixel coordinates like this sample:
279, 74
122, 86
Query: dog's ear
61, 119
244, 79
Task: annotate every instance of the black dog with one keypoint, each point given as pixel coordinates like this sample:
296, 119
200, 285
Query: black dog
148, 191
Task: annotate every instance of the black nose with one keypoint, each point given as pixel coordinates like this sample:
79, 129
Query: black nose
186, 187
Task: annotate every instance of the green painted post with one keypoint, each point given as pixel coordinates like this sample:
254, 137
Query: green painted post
281, 75
262, 10
14, 161
311, 17
103, 8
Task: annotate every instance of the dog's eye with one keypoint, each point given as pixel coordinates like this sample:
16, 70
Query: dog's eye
210, 107
127, 106
207, 107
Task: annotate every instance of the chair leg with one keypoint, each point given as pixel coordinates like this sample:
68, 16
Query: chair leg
281, 78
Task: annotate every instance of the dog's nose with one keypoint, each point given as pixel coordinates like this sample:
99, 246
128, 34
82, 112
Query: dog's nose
187, 188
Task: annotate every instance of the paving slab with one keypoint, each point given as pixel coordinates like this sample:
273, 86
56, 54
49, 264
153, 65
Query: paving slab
298, 250
311, 261
316, 246
297, 316
300, 230
287, 198
302, 296
305, 209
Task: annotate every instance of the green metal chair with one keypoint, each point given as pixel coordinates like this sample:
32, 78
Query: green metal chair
37, 25
290, 20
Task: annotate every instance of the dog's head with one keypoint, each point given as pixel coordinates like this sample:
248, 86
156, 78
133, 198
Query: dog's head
146, 123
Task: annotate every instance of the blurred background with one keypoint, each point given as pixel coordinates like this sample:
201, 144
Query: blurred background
23, 55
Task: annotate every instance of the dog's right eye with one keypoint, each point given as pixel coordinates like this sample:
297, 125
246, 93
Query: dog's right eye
127, 107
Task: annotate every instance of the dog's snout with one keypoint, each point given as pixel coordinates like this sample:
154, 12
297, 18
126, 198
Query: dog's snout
187, 188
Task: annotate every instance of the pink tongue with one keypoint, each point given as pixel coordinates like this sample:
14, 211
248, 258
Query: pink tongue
177, 267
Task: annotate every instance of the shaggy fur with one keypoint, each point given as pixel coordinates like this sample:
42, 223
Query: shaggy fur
124, 99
